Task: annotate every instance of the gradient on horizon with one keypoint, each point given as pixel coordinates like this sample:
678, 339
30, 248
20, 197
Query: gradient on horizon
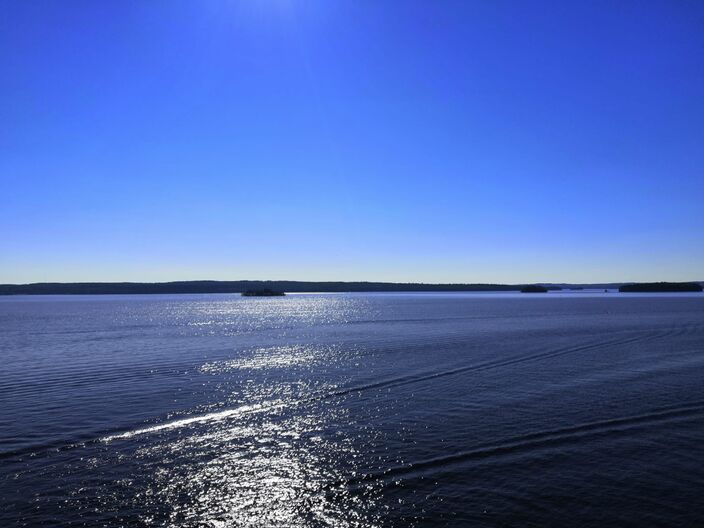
354, 140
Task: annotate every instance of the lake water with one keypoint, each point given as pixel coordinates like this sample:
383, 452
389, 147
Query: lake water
352, 410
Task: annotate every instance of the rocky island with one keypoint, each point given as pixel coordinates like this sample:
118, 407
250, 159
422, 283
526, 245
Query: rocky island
534, 288
266, 292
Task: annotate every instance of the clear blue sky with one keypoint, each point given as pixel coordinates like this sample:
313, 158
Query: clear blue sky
352, 140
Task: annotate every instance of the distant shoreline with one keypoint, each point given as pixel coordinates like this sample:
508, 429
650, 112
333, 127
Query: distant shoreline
185, 287
661, 287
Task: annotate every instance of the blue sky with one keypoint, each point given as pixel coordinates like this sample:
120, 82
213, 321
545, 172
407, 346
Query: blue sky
449, 141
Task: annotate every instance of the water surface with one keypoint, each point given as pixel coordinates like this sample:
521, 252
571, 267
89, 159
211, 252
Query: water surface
352, 410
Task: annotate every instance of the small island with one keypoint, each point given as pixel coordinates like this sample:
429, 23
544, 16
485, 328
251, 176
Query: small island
650, 287
534, 288
262, 293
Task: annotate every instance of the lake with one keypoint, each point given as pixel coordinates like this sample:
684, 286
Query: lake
352, 410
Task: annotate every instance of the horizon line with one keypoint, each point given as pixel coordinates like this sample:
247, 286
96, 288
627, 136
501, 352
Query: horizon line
523, 283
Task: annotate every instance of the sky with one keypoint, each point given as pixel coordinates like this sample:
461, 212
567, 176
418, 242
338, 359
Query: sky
448, 141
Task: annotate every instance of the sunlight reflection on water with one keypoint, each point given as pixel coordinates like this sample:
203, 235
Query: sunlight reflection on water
281, 460
235, 316
269, 469
264, 358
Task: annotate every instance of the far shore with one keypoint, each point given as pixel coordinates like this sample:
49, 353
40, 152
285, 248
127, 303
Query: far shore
204, 287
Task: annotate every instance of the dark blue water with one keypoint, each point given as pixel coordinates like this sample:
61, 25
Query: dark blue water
352, 410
